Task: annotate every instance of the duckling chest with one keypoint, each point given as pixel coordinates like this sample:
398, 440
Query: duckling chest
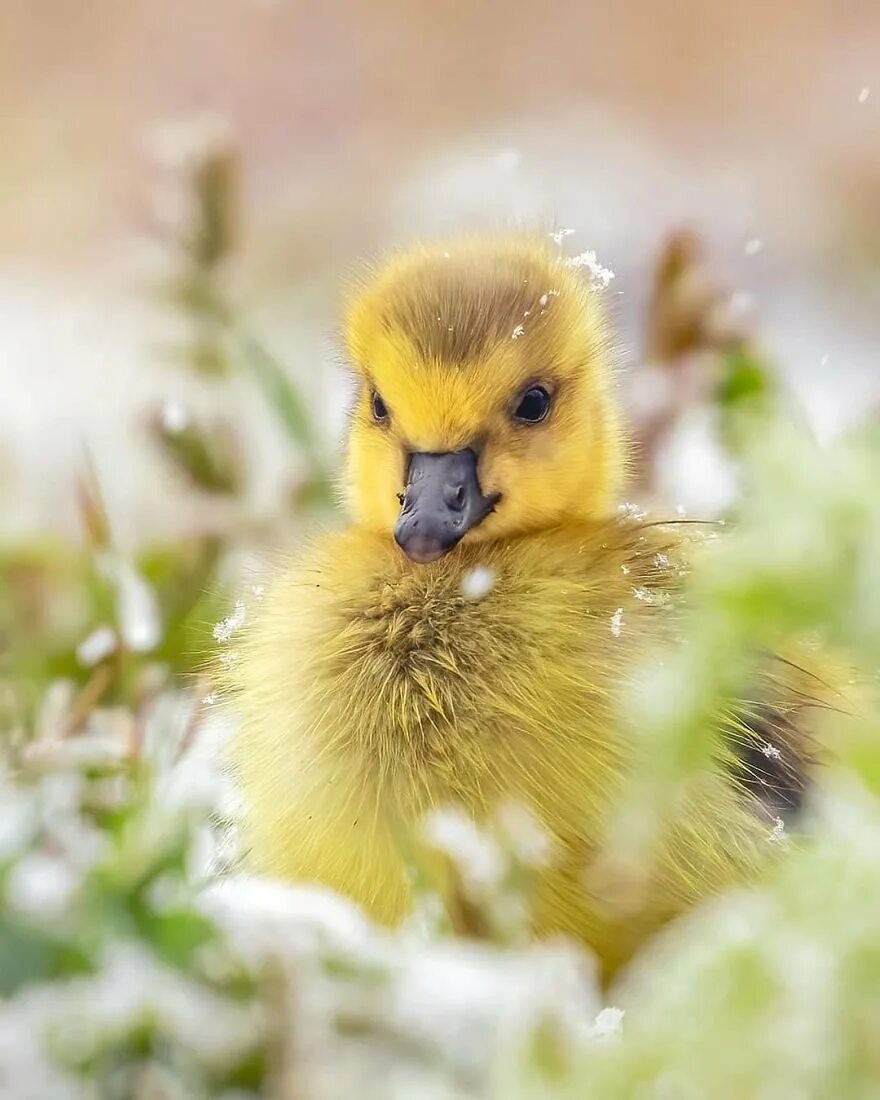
464, 682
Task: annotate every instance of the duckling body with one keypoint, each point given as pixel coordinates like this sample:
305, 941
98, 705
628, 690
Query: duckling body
378, 681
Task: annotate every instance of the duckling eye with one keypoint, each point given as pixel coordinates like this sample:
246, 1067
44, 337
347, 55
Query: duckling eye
380, 409
533, 405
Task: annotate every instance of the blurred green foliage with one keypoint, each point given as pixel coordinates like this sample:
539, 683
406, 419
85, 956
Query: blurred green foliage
56, 596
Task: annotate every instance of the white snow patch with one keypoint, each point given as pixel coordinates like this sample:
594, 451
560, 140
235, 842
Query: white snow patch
224, 630
599, 275
476, 855
608, 1024
478, 582
98, 645
617, 622
779, 834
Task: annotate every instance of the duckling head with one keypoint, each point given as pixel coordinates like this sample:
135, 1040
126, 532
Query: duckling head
485, 406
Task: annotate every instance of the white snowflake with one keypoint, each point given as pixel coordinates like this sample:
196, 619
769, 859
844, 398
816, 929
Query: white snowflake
653, 599
517, 332
617, 622
224, 630
599, 275
478, 582
779, 833
559, 235
863, 94
608, 1023
545, 298
771, 752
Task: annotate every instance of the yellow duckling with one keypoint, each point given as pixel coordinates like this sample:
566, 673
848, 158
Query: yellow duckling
462, 641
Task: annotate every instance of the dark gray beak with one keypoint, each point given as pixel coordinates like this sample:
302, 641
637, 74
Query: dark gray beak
442, 502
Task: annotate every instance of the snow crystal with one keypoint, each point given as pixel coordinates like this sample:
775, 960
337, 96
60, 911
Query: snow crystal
599, 275
778, 833
654, 599
545, 298
633, 511
625, 570
608, 1023
98, 645
517, 332
771, 752
753, 246
475, 854
224, 630
210, 699
661, 561
863, 94
478, 582
559, 235
617, 622
680, 511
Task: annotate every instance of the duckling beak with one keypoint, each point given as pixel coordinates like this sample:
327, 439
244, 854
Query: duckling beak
442, 502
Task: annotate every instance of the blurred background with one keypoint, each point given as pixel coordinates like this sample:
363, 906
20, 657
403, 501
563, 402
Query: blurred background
358, 126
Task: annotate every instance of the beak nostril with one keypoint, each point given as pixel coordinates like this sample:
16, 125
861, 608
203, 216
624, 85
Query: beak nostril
454, 497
